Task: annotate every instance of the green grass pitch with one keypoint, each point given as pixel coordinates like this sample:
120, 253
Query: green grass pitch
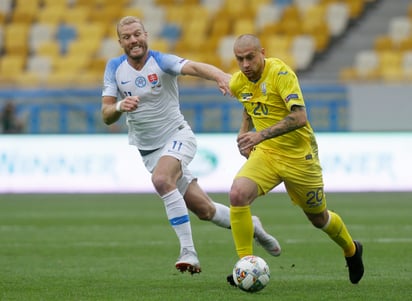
120, 247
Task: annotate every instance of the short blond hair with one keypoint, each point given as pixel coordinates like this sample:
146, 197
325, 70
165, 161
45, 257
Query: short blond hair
128, 20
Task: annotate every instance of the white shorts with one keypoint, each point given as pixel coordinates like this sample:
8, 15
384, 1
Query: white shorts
182, 145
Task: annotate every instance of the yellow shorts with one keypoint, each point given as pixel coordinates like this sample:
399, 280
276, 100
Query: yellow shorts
302, 177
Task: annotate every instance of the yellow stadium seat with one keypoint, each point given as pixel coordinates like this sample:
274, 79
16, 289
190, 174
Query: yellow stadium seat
390, 66
383, 43
348, 74
74, 63
107, 13
77, 14
11, 67
51, 15
84, 47
55, 3
90, 30
243, 26
356, 8
16, 37
49, 48
275, 44
159, 44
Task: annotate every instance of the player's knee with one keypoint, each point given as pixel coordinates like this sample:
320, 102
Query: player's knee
237, 197
318, 220
162, 184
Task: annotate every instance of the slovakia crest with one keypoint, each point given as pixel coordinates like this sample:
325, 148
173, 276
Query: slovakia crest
153, 80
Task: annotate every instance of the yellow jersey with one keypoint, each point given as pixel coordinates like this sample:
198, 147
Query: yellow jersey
268, 101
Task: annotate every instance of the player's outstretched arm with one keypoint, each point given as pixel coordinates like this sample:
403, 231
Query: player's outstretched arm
210, 72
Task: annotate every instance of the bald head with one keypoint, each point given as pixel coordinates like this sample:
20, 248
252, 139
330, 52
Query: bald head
249, 41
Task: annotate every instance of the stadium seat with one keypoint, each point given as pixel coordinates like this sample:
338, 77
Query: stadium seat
212, 5
366, 65
356, 8
11, 67
48, 48
400, 28
383, 43
390, 67
243, 26
303, 50
337, 18
84, 47
304, 5
109, 48
267, 14
154, 19
16, 36
51, 15
25, 11
77, 14
40, 33
275, 44
225, 50
39, 64
6, 8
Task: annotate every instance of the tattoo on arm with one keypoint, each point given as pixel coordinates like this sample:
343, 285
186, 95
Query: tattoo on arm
288, 124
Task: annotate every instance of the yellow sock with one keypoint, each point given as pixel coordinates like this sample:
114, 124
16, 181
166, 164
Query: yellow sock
338, 232
242, 230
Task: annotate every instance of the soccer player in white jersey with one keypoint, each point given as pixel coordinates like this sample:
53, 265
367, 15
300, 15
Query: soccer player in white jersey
143, 84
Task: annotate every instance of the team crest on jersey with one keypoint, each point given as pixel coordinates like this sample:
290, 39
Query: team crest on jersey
140, 81
153, 80
263, 88
246, 96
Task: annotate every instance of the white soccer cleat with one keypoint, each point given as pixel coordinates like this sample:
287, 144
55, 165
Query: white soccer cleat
188, 261
267, 241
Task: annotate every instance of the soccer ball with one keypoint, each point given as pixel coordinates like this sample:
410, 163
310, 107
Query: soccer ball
251, 274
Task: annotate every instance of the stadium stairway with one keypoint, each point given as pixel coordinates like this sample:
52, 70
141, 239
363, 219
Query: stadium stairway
359, 36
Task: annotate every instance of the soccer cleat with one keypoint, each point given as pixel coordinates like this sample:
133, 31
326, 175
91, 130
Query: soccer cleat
230, 280
188, 262
267, 241
355, 264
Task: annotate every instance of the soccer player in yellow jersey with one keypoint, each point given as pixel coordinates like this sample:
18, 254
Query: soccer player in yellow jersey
276, 137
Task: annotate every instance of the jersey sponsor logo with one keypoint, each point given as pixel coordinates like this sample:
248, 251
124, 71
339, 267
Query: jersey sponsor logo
246, 96
282, 73
140, 82
291, 96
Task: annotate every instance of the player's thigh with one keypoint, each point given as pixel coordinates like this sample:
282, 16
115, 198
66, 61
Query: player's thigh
304, 183
260, 169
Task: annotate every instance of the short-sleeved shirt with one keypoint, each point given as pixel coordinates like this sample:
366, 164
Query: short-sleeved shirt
269, 100
158, 114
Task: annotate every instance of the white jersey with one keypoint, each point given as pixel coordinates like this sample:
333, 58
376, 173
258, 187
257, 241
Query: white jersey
158, 114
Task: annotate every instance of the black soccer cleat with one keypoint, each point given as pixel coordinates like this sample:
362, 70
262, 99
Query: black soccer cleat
355, 264
230, 280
